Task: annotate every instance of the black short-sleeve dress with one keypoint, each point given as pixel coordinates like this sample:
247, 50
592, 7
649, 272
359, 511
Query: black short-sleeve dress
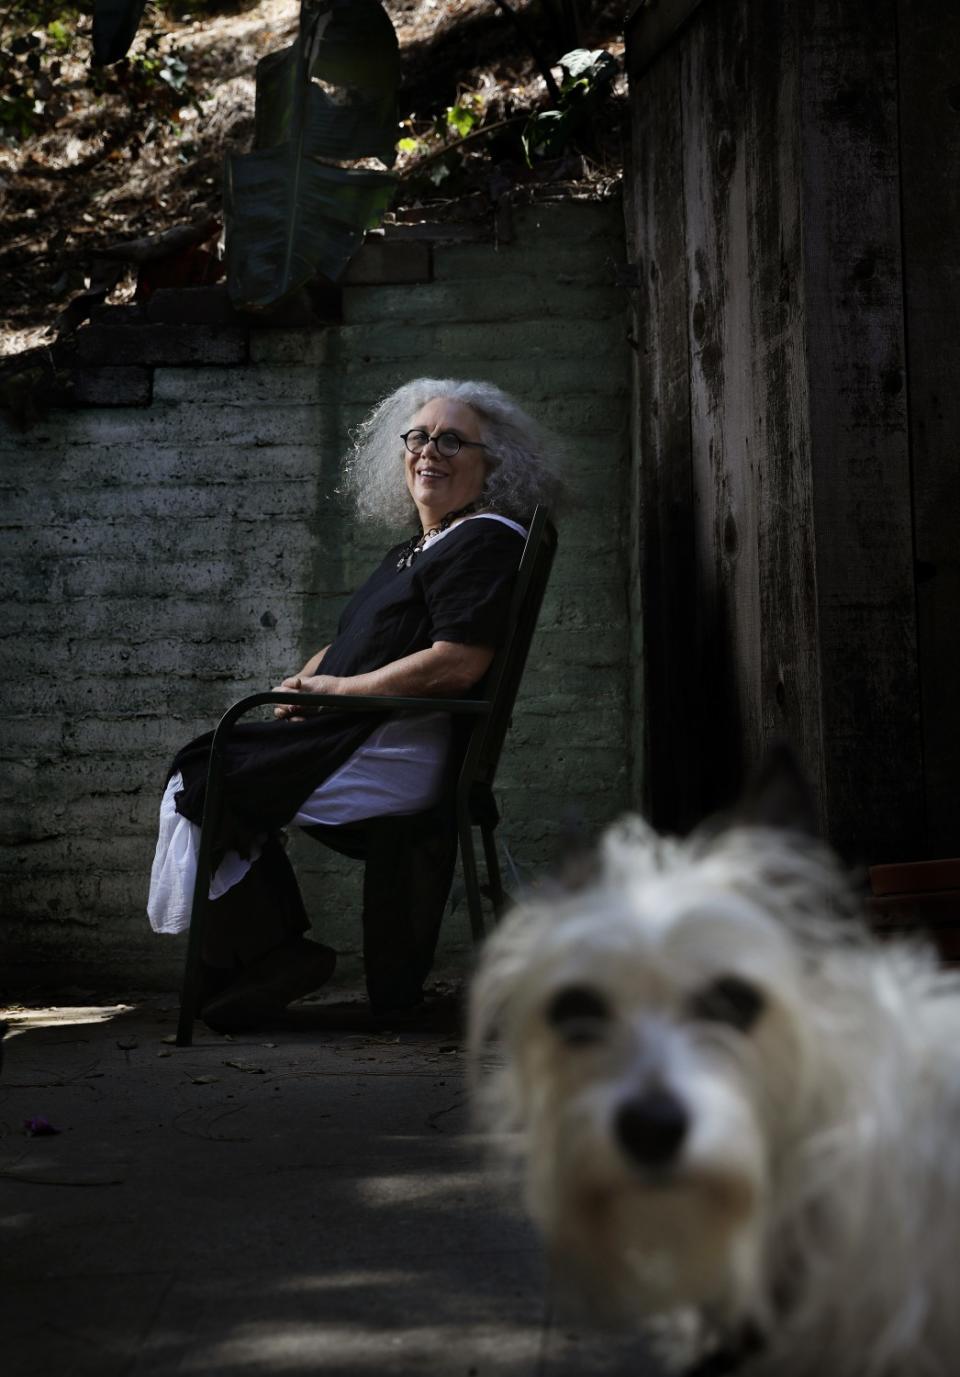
457, 589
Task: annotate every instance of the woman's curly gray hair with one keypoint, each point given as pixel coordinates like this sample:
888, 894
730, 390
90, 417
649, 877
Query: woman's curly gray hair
520, 453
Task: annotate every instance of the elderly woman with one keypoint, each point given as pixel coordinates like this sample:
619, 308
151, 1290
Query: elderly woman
469, 465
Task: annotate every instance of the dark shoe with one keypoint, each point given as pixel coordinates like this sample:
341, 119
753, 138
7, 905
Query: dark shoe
436, 1014
213, 980
410, 1016
267, 985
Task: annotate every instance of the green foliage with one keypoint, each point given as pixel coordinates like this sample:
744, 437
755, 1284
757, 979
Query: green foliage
167, 67
438, 151
60, 36
587, 79
461, 119
294, 207
156, 77
39, 48
34, 39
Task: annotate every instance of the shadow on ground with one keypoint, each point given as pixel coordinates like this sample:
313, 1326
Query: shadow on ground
310, 1200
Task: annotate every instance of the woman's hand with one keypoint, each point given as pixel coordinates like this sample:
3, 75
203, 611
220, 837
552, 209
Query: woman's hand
447, 670
304, 683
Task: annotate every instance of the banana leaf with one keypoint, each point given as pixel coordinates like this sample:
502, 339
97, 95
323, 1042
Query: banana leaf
115, 23
290, 211
291, 218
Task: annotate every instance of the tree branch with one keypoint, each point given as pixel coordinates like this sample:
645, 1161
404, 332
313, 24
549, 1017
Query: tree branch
452, 147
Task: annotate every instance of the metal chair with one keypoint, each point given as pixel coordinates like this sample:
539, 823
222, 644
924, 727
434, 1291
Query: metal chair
473, 800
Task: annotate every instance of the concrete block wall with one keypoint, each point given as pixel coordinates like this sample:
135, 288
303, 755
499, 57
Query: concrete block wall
175, 540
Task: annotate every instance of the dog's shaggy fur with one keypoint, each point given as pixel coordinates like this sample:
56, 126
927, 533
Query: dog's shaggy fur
725, 1094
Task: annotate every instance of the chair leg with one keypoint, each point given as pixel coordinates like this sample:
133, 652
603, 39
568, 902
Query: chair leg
190, 987
494, 878
471, 882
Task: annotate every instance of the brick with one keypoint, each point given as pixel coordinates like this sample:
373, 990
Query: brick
169, 616
193, 306
49, 777
132, 314
403, 347
145, 541
126, 463
73, 854
538, 729
159, 736
566, 263
590, 414
589, 339
317, 348
255, 502
246, 386
112, 386
161, 344
47, 824
530, 379
205, 695
390, 260
185, 424
517, 297
29, 736
183, 658
316, 304
571, 222
219, 578
436, 232
79, 898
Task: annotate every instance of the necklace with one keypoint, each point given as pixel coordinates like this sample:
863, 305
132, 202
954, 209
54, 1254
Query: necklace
415, 544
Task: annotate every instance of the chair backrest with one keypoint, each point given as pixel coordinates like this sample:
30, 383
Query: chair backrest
503, 678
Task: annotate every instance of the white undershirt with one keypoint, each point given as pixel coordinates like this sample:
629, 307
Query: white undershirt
397, 770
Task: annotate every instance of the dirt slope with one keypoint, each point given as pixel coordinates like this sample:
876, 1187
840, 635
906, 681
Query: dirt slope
135, 160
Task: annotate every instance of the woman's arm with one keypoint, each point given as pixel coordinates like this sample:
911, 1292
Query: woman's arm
308, 671
313, 664
446, 670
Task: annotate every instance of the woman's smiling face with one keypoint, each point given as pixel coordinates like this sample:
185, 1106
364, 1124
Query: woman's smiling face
439, 484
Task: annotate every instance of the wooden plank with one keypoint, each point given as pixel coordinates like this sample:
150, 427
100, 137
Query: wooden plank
929, 64
651, 25
859, 455
780, 439
714, 86
661, 539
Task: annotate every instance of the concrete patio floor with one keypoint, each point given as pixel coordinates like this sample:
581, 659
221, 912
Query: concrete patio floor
309, 1200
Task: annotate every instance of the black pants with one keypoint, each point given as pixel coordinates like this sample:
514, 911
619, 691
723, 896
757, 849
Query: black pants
408, 871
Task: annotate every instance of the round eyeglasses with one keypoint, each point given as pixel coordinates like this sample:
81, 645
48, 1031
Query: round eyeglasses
448, 442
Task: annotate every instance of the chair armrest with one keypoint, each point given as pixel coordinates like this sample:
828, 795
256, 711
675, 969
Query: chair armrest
473, 707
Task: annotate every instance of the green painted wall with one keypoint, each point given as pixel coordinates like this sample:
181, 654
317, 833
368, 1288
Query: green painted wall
168, 558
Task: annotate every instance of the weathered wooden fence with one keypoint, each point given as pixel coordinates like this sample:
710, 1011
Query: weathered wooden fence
795, 184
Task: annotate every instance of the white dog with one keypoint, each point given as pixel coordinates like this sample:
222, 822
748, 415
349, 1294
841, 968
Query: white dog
726, 1095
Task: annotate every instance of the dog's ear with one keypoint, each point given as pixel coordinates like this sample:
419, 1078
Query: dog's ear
576, 862
579, 869
779, 794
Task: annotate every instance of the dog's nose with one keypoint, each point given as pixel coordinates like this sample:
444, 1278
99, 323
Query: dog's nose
652, 1127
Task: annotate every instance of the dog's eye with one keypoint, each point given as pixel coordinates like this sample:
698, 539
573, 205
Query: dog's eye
579, 1014
729, 999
